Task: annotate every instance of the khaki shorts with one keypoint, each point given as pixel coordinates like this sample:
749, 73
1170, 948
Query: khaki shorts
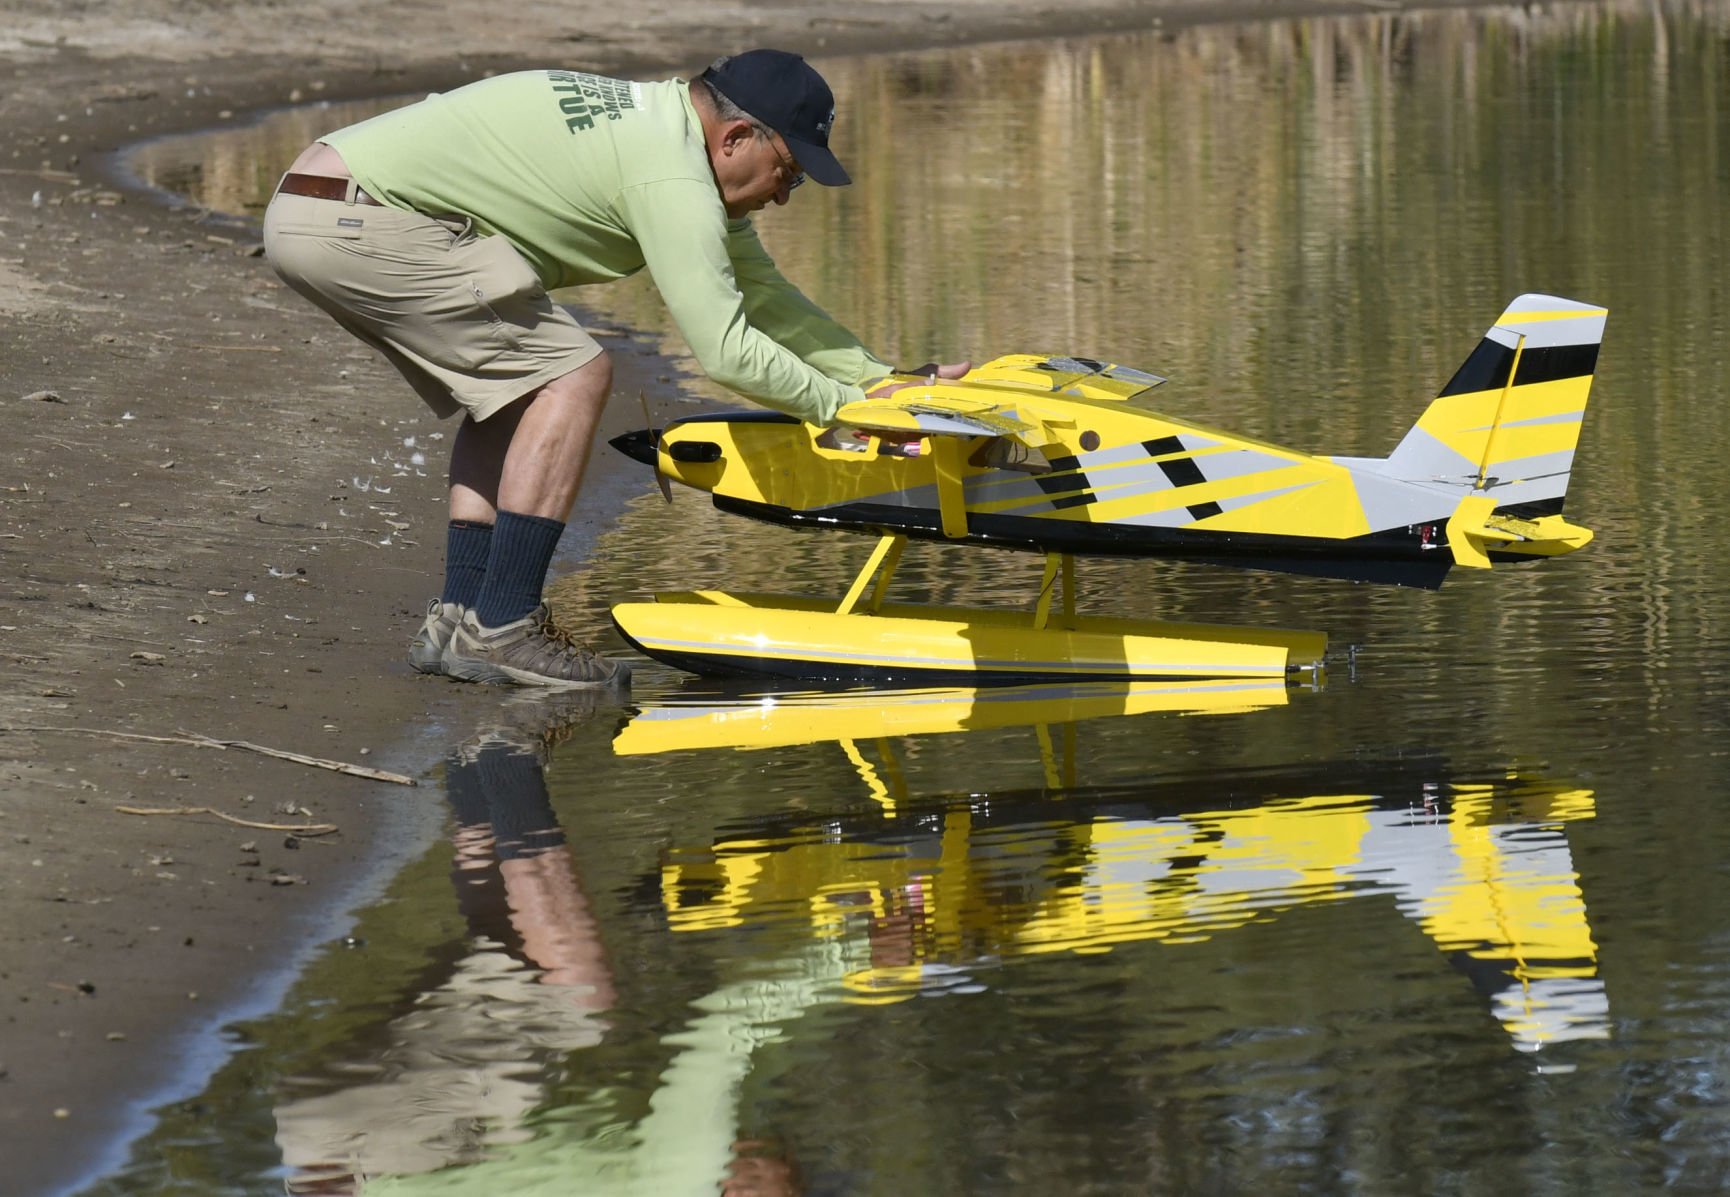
462, 317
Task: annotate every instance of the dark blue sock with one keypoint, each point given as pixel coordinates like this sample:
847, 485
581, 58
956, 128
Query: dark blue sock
466, 547
522, 549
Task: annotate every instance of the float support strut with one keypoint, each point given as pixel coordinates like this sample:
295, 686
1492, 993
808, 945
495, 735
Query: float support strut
1055, 562
885, 557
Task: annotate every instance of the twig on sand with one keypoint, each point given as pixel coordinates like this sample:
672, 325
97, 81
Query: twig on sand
53, 176
198, 741
296, 828
301, 759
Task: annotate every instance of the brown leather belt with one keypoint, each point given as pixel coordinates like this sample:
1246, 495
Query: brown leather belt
322, 187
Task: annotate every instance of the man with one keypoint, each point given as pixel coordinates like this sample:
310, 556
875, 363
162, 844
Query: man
434, 232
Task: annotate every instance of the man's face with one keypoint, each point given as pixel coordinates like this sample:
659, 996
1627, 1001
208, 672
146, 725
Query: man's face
753, 171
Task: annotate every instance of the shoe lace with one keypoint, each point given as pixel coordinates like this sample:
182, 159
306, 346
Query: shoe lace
563, 639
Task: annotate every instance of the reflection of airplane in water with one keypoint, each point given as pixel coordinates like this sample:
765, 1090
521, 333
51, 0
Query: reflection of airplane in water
1483, 868
777, 719
500, 1072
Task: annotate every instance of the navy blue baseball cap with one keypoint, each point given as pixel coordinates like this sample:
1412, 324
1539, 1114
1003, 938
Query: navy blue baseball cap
784, 92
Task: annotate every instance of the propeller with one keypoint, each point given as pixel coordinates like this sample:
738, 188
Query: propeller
644, 445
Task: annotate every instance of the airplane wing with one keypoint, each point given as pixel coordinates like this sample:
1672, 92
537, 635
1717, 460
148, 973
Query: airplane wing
1082, 377
954, 408
928, 411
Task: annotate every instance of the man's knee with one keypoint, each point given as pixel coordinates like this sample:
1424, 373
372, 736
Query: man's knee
601, 366
590, 383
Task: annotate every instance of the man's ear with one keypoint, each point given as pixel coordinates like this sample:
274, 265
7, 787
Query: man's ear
735, 135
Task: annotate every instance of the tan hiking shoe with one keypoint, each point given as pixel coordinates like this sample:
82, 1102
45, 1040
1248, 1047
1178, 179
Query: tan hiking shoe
426, 653
531, 651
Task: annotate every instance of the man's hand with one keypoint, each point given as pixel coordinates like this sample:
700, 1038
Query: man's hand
927, 372
953, 370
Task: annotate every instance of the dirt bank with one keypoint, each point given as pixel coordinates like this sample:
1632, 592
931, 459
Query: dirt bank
214, 520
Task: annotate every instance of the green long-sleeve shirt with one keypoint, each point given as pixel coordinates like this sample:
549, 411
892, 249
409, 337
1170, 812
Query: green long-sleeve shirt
592, 179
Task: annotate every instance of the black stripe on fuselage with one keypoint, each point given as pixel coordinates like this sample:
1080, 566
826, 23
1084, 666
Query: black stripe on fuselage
1064, 490
1180, 472
1067, 484
1394, 558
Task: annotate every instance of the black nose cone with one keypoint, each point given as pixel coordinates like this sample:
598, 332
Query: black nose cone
639, 445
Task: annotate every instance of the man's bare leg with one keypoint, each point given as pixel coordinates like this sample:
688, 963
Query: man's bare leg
529, 457
520, 469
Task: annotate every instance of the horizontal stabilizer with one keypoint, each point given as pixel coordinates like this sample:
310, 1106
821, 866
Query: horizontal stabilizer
1476, 531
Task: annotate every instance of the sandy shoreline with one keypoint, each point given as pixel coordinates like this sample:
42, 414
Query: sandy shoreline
185, 434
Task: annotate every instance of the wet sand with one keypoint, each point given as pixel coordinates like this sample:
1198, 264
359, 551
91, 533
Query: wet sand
194, 539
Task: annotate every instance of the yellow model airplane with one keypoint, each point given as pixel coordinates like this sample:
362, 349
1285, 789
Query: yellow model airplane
1047, 454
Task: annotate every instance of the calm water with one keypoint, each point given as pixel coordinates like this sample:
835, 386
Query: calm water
1457, 921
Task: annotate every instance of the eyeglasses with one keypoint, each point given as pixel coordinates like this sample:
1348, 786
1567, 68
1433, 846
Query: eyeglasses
787, 165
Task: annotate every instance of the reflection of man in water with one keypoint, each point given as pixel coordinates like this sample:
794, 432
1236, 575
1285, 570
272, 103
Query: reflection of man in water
512, 863
460, 1067
464, 1070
